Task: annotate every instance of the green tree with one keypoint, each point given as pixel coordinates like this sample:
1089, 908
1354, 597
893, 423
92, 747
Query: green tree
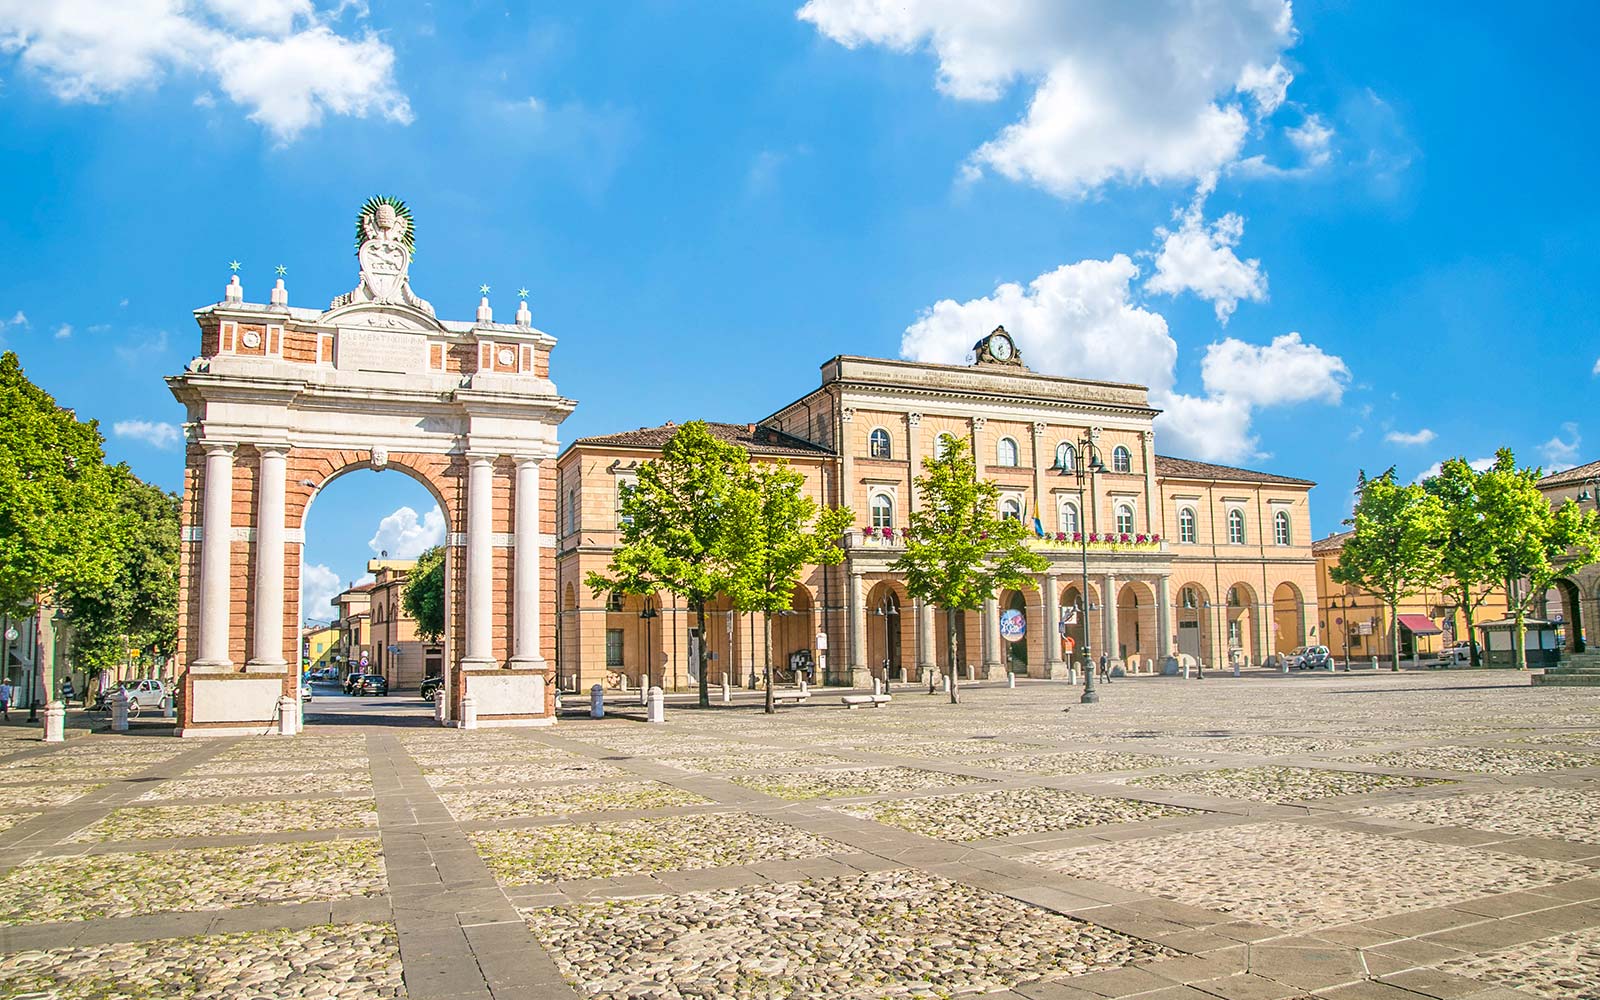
1467, 562
58, 498
1533, 543
423, 594
1394, 551
774, 533
960, 551
675, 528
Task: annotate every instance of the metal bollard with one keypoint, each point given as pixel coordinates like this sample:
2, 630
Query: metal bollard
656, 702
946, 678
1186, 670
55, 722
597, 702
1236, 668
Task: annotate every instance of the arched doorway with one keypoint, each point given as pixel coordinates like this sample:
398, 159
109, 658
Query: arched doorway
1192, 621
889, 631
1288, 617
1569, 607
967, 640
1087, 631
280, 402
1136, 623
1242, 617
1016, 654
794, 634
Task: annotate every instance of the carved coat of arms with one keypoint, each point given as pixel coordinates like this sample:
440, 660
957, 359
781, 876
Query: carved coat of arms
384, 243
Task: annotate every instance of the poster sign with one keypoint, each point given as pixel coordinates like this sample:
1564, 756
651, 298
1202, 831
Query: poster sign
1013, 625
1071, 644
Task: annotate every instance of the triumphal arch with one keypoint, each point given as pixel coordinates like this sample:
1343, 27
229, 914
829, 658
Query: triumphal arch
282, 400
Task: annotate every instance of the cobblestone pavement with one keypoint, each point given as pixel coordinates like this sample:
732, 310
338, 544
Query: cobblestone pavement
1332, 837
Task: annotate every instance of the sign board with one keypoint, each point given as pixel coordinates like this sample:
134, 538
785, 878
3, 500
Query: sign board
1069, 616
1013, 625
1071, 644
822, 640
363, 659
1364, 628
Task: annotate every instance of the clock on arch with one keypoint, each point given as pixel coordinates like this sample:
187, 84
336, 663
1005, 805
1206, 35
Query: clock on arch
997, 349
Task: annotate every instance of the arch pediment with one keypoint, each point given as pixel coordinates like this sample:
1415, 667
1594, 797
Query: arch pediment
381, 316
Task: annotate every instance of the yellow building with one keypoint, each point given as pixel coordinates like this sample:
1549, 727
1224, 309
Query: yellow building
1201, 561
1355, 625
318, 646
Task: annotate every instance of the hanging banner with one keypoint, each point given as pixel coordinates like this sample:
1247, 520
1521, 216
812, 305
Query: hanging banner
1013, 625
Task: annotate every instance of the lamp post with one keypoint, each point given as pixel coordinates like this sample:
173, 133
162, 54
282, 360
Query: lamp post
1085, 463
646, 614
885, 611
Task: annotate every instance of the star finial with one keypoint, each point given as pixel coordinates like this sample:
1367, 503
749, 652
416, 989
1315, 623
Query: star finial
234, 265
483, 289
522, 293
281, 270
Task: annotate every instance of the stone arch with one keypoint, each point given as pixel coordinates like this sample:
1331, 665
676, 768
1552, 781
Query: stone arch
794, 631
1137, 628
1571, 599
280, 403
1192, 622
1088, 631
1028, 652
891, 630
1241, 624
1288, 616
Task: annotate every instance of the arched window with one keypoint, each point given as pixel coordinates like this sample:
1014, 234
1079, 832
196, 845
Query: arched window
942, 443
1280, 527
1236, 527
1068, 519
1005, 452
1186, 525
1124, 519
1066, 456
1234, 600
1188, 598
878, 444
882, 511
614, 602
1121, 459
1011, 509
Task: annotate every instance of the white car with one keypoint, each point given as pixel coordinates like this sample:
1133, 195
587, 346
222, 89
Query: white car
145, 695
1295, 658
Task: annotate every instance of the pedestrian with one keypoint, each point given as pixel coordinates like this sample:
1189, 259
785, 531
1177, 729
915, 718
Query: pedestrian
1105, 672
5, 699
67, 693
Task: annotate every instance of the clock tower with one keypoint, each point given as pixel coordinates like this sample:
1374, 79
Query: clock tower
997, 349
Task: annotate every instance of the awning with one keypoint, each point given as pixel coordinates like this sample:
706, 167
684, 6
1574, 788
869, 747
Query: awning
1420, 625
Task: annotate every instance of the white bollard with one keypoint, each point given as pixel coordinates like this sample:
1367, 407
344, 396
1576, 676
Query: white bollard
1236, 668
946, 679
169, 707
1374, 663
656, 710
119, 711
622, 682
1011, 679
877, 686
803, 688
727, 691
55, 722
1283, 663
1186, 670
644, 693
286, 715
597, 702
469, 712
438, 706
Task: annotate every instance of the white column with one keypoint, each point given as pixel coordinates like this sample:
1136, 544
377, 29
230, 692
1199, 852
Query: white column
858, 628
266, 653
525, 623
1163, 620
927, 642
479, 649
216, 573
991, 638
1050, 627
1113, 654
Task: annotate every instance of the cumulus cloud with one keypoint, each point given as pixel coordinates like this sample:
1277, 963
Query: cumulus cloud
1596, 370
1410, 438
1558, 454
21, 319
156, 435
278, 59
1081, 320
1151, 92
1199, 258
1313, 138
319, 585
1478, 464
63, 331
404, 535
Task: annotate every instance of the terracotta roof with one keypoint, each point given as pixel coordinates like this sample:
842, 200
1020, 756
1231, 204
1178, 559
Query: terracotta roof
1332, 543
753, 437
1577, 475
1183, 468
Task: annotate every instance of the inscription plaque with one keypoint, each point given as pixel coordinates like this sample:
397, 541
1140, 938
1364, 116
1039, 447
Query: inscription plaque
381, 351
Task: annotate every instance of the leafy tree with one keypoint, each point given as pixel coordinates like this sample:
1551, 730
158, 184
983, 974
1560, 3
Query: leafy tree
423, 594
1394, 551
1532, 541
137, 610
58, 499
675, 528
775, 531
960, 551
1467, 549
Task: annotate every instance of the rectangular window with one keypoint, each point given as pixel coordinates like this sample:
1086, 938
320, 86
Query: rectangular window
572, 512
613, 647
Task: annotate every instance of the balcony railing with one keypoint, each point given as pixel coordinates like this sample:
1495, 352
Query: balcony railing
895, 538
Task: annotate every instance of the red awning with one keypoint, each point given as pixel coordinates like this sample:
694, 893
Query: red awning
1420, 625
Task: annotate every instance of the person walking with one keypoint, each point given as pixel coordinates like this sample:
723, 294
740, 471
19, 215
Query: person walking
5, 699
67, 693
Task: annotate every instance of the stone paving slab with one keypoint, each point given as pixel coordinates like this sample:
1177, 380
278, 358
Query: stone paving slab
41, 796
846, 782
467, 804
305, 783
1480, 760
1006, 812
1081, 762
231, 819
1278, 784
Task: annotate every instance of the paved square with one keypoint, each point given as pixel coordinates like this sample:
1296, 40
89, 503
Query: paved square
1434, 830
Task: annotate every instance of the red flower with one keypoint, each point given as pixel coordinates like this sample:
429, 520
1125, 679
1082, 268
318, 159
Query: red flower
1155, 538
1061, 536
1094, 536
1126, 538
869, 531
1077, 536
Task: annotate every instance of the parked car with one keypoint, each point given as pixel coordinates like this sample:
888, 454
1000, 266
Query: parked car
429, 686
1459, 652
148, 693
373, 684
1316, 658
352, 681
1295, 658
305, 690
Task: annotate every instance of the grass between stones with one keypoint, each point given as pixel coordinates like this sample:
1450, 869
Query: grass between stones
847, 782
154, 822
1006, 812
480, 804
1279, 784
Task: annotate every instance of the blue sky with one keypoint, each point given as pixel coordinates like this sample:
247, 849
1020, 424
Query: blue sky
1339, 237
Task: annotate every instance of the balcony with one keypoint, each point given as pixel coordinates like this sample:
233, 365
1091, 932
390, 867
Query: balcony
894, 539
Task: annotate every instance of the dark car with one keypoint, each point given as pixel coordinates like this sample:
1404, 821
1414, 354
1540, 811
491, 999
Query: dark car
373, 684
429, 686
352, 683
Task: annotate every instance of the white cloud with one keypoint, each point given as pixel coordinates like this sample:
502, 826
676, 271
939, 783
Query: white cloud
1151, 92
135, 351
21, 319
156, 435
1596, 370
404, 535
1201, 259
319, 585
1560, 455
277, 59
1478, 464
63, 331
1080, 320
1411, 438
1312, 138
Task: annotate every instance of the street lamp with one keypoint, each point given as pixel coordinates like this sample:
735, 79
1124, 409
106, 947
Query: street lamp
1085, 463
885, 611
1587, 494
646, 613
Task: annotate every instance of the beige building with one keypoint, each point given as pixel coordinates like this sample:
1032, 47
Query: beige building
354, 624
1574, 602
399, 653
1201, 561
1356, 625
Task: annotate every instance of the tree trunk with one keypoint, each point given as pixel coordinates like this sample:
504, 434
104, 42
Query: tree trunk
1519, 635
703, 654
955, 670
1394, 636
772, 706
1472, 637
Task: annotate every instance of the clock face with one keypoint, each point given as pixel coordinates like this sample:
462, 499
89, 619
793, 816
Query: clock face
252, 339
1000, 347
507, 355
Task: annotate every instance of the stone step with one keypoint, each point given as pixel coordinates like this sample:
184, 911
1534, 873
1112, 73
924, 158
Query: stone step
1566, 680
